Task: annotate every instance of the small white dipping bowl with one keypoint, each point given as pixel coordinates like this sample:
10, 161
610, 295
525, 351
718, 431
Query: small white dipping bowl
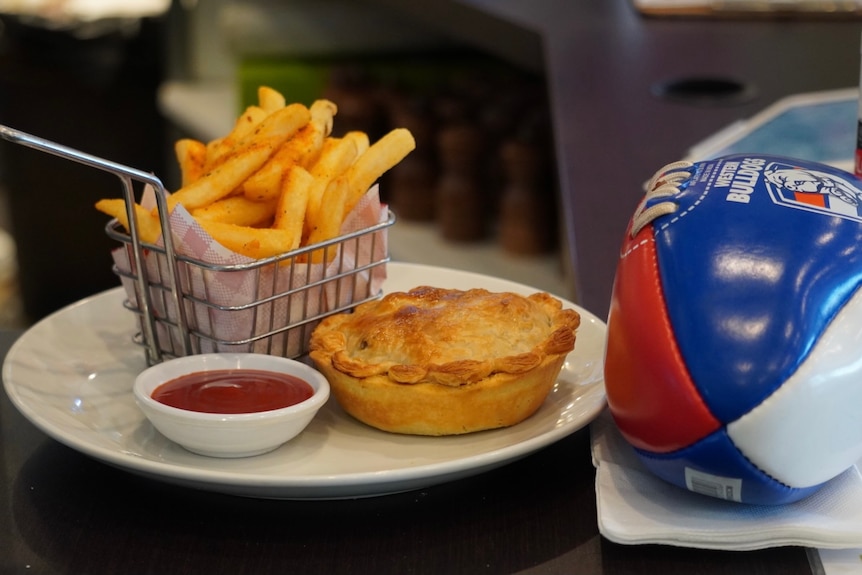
229, 434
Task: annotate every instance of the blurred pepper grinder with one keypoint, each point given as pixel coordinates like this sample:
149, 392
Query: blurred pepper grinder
526, 208
413, 181
462, 211
358, 108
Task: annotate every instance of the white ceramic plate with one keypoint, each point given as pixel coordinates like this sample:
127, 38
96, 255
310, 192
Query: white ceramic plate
71, 374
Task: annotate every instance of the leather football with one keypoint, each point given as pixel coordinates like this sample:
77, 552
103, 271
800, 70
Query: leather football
734, 355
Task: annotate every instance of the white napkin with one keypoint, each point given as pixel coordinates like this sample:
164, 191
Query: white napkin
636, 507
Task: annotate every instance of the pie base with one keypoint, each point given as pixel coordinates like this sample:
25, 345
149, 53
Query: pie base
500, 400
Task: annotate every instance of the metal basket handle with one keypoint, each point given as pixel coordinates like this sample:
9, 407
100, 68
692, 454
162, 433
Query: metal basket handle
127, 175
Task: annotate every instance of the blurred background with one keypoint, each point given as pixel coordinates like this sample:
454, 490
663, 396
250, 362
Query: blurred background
634, 84
125, 80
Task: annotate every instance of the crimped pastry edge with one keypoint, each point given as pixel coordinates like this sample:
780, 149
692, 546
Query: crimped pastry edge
329, 338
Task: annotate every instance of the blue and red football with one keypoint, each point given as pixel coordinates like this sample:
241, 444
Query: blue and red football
734, 353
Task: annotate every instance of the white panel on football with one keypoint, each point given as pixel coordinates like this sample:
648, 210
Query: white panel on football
810, 429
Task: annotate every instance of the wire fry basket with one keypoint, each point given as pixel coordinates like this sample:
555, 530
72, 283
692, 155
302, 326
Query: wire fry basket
185, 305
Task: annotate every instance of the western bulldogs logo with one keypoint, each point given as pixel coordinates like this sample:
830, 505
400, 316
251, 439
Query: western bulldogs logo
813, 190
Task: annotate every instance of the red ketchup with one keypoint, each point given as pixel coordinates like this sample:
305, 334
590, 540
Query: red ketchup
233, 391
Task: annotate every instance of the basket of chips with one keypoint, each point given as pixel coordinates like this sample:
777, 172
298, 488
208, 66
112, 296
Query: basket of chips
276, 225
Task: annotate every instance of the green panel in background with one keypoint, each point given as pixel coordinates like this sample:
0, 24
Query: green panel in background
304, 79
299, 81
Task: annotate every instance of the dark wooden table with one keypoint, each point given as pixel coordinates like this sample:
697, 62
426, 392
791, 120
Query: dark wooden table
63, 512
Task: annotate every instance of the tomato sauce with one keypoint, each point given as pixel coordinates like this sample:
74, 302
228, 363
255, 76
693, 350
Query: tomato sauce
233, 391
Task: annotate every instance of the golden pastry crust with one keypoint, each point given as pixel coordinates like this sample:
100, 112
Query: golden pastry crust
436, 361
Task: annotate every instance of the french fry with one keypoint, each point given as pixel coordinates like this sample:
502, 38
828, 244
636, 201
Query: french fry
323, 114
328, 222
278, 126
270, 100
265, 184
358, 138
291, 209
301, 149
149, 228
221, 181
217, 149
377, 159
237, 210
191, 157
255, 243
306, 147
337, 156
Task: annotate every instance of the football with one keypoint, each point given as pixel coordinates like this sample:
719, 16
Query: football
733, 363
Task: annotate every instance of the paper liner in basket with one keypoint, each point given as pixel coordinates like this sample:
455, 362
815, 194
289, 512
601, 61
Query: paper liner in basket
220, 304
